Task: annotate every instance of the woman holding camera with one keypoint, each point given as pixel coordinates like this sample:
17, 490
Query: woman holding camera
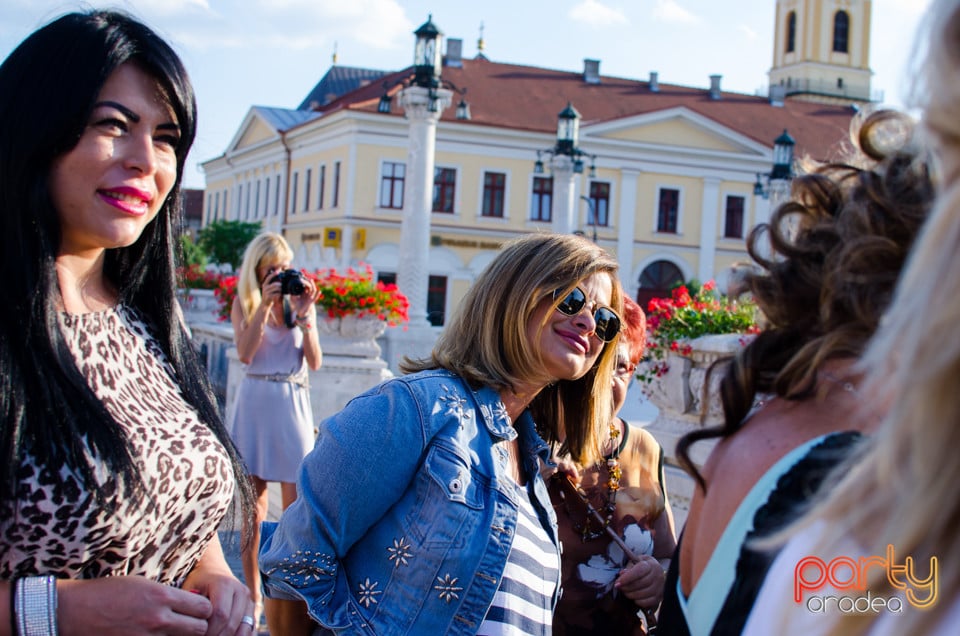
274, 318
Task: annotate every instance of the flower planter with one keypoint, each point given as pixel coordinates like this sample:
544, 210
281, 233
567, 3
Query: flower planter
352, 335
678, 394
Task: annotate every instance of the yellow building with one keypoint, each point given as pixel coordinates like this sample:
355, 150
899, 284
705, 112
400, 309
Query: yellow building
672, 193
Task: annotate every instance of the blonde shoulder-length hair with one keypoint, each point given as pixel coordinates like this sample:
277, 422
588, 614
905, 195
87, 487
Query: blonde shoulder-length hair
486, 340
268, 247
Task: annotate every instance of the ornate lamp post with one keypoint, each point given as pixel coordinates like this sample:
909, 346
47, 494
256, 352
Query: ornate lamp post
566, 161
422, 102
775, 185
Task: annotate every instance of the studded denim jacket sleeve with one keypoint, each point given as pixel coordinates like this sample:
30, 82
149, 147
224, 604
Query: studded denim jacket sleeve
404, 519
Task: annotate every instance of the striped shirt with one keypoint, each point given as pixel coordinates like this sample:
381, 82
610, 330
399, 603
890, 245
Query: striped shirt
523, 603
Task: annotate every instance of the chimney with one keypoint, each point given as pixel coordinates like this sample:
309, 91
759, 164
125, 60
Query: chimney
715, 86
654, 82
591, 71
454, 57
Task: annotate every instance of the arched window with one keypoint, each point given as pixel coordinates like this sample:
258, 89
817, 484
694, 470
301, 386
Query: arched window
657, 280
841, 30
791, 31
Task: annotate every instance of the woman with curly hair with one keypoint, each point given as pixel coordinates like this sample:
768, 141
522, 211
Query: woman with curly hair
825, 270
902, 491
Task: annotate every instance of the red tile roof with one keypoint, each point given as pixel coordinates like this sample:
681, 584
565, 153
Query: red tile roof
529, 98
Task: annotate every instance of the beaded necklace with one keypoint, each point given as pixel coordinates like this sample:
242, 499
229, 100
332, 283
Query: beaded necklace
587, 530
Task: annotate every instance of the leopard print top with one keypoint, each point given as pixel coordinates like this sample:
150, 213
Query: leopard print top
54, 527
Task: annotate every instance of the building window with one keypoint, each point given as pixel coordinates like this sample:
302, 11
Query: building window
436, 300
444, 189
841, 30
256, 202
657, 281
308, 178
293, 192
246, 205
216, 205
336, 184
733, 223
321, 185
391, 185
599, 204
541, 199
791, 31
494, 188
667, 210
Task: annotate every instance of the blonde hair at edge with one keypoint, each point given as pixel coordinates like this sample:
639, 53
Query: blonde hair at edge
268, 247
486, 340
903, 490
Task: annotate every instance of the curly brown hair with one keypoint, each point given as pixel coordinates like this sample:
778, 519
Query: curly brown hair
825, 269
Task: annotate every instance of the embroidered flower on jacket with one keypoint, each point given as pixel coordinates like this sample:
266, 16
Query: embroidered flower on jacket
456, 404
400, 552
367, 594
447, 587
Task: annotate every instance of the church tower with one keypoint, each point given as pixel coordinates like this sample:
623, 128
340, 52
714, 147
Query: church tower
822, 51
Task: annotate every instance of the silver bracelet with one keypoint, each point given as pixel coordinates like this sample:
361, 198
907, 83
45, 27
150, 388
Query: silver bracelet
35, 602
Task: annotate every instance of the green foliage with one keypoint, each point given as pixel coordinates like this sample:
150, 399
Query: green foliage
191, 254
225, 241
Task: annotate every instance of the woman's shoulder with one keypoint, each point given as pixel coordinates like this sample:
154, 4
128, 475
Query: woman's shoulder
772, 432
640, 443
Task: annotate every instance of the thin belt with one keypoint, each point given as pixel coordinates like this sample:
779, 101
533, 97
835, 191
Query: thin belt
300, 378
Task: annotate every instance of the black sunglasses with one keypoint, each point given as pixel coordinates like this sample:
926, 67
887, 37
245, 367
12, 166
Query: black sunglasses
608, 322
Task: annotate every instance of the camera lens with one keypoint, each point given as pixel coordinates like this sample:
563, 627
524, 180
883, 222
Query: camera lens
291, 282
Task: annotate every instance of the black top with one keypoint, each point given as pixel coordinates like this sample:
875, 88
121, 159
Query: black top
794, 491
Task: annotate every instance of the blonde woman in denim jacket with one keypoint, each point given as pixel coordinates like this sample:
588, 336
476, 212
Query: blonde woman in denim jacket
421, 508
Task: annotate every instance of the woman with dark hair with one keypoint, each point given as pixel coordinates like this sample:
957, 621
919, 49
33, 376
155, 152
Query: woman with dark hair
826, 267
421, 509
115, 468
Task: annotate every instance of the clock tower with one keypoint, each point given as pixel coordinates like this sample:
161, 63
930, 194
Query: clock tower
821, 51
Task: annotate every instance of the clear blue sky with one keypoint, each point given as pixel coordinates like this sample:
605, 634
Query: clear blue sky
242, 53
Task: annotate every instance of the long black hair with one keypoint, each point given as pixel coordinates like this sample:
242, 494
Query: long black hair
48, 87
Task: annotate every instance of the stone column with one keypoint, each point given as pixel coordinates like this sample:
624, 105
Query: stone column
412, 268
627, 228
564, 192
708, 228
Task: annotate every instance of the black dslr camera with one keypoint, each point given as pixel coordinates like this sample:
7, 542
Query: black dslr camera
291, 282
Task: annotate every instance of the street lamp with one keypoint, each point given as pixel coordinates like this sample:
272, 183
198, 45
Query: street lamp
427, 68
782, 166
592, 219
566, 161
568, 134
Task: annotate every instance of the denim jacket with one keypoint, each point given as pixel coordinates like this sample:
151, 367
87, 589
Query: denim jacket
405, 512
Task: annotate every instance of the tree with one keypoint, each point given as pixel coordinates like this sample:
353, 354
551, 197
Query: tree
191, 253
225, 241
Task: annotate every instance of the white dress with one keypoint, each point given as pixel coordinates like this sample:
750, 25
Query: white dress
270, 420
